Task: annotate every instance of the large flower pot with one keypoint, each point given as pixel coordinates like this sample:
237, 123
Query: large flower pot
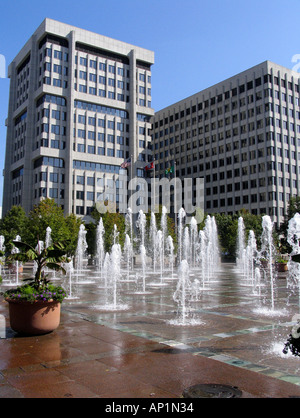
35, 318
281, 267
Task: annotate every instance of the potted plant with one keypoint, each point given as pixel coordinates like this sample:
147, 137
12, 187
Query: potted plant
34, 307
281, 265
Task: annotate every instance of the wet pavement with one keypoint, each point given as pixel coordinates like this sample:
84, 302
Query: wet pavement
137, 349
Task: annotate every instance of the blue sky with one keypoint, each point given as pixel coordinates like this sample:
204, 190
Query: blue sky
197, 43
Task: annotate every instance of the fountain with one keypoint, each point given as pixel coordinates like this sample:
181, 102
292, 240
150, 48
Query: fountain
114, 276
183, 296
141, 225
268, 276
170, 249
159, 246
81, 249
116, 235
208, 251
153, 232
48, 239
100, 253
69, 272
128, 251
193, 240
164, 228
186, 249
293, 238
249, 262
240, 257
129, 229
15, 250
144, 265
181, 216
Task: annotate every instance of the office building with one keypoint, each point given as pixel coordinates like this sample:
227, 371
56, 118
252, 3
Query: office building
242, 136
79, 107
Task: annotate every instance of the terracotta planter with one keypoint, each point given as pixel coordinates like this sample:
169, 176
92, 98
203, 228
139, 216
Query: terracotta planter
280, 267
35, 318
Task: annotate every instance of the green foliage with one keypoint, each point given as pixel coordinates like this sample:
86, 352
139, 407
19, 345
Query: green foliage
30, 294
14, 223
227, 230
48, 214
109, 220
50, 257
32, 228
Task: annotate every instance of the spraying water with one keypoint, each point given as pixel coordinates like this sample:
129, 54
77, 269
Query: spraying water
293, 237
181, 216
100, 252
240, 257
48, 239
81, 248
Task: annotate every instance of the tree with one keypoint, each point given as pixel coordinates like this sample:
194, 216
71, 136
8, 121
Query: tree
14, 223
227, 232
109, 221
48, 214
252, 223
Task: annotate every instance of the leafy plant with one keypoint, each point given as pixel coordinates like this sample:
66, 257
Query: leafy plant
39, 287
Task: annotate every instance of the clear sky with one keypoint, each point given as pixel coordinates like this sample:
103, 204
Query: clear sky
197, 43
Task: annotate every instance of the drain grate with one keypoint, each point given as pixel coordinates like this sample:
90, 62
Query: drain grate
212, 391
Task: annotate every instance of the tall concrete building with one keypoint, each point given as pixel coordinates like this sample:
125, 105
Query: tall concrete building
242, 136
79, 107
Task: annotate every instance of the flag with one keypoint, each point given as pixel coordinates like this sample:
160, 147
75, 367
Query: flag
149, 166
170, 170
126, 163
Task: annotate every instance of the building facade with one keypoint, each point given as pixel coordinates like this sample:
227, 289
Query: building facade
242, 136
79, 107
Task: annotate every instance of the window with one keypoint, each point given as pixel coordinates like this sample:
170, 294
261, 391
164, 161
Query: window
79, 195
111, 82
57, 82
110, 152
93, 77
53, 193
81, 133
83, 61
54, 177
90, 196
91, 135
112, 69
111, 124
57, 69
82, 88
58, 55
93, 64
80, 147
80, 180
